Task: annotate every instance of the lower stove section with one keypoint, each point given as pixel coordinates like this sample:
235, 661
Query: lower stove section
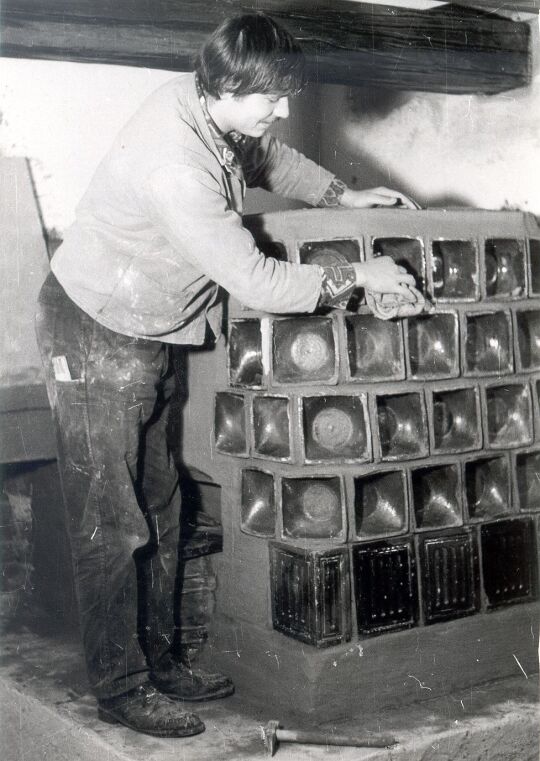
401, 583
374, 623
286, 678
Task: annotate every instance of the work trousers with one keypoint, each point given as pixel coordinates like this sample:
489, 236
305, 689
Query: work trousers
120, 487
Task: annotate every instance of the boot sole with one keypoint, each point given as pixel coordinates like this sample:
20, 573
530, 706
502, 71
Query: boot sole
110, 718
225, 692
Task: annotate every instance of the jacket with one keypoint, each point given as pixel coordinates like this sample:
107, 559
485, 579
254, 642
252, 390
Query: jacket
159, 228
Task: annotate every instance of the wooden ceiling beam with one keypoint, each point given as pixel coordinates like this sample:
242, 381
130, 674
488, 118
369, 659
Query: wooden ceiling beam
450, 48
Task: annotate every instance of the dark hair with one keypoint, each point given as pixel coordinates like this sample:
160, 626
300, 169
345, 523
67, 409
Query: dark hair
248, 54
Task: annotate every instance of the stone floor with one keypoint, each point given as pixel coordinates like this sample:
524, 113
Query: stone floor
47, 714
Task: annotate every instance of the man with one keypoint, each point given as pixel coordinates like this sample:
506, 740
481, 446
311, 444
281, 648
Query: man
158, 237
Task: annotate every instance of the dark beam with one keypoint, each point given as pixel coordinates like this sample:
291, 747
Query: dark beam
448, 49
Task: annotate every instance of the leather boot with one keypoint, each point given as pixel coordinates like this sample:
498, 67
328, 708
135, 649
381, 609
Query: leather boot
178, 680
147, 710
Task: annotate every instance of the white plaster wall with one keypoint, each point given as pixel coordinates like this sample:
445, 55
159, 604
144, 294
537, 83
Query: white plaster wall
63, 116
445, 150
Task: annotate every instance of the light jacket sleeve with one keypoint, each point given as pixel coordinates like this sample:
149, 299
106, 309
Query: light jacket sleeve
189, 209
275, 166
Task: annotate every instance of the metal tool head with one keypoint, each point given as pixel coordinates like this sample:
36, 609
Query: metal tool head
269, 735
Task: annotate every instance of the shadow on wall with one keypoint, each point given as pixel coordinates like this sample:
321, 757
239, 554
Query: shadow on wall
369, 105
444, 150
366, 102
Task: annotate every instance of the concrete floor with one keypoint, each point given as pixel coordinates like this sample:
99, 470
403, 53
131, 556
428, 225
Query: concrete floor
47, 713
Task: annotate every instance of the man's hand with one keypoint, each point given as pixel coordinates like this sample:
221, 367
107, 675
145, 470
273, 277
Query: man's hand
365, 199
383, 275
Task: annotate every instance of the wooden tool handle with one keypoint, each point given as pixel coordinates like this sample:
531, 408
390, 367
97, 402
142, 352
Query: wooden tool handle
319, 738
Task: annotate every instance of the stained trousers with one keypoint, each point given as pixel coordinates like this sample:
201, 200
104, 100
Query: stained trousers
120, 487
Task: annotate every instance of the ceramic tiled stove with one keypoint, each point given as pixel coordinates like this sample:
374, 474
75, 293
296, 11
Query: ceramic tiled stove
380, 480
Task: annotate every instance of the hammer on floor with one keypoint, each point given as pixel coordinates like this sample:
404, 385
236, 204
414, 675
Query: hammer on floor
272, 735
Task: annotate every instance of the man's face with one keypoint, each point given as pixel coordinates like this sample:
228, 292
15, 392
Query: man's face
253, 114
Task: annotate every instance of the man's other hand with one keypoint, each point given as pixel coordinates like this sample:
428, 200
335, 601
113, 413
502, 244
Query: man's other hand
366, 199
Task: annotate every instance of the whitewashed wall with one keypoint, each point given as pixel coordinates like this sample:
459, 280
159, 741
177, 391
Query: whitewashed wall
63, 116
458, 150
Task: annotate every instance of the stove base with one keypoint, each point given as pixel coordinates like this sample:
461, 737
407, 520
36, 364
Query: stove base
288, 677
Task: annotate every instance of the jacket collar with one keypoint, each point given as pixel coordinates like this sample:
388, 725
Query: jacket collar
207, 129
